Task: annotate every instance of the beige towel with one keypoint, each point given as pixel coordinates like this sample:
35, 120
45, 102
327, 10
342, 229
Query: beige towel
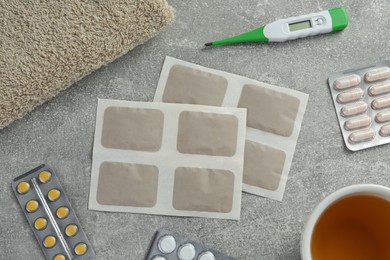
46, 46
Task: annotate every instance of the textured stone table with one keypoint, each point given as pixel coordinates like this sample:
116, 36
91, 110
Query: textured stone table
61, 131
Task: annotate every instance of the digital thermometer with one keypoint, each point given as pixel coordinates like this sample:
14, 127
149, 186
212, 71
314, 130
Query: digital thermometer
332, 20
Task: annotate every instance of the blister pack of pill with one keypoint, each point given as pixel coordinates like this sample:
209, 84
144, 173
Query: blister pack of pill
361, 98
274, 117
50, 215
167, 245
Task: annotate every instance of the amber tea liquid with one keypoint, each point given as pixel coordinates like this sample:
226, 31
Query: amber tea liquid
354, 228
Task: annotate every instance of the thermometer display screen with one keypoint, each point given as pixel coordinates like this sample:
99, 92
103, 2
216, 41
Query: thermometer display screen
299, 26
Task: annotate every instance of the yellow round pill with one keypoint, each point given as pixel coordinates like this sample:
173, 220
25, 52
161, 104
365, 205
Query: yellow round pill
32, 206
40, 223
59, 257
49, 241
62, 212
71, 230
23, 187
53, 194
44, 176
80, 249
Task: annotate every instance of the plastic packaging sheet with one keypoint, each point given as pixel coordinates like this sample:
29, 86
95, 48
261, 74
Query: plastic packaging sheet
50, 215
168, 159
172, 246
274, 117
361, 99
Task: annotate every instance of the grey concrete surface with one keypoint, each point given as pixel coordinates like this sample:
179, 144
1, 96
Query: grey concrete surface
61, 131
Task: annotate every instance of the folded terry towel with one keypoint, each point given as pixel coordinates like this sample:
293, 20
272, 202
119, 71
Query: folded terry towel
46, 46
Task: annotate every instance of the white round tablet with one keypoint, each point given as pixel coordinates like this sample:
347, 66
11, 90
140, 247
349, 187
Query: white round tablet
167, 244
159, 258
186, 252
206, 256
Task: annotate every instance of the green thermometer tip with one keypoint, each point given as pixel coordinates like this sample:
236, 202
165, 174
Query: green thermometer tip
255, 35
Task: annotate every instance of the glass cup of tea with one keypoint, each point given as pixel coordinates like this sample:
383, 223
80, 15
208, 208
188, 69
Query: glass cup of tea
351, 223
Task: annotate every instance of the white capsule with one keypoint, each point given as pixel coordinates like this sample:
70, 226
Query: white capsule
206, 256
381, 102
350, 95
186, 252
377, 74
361, 135
357, 122
347, 82
379, 88
159, 258
383, 116
167, 244
354, 109
385, 130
